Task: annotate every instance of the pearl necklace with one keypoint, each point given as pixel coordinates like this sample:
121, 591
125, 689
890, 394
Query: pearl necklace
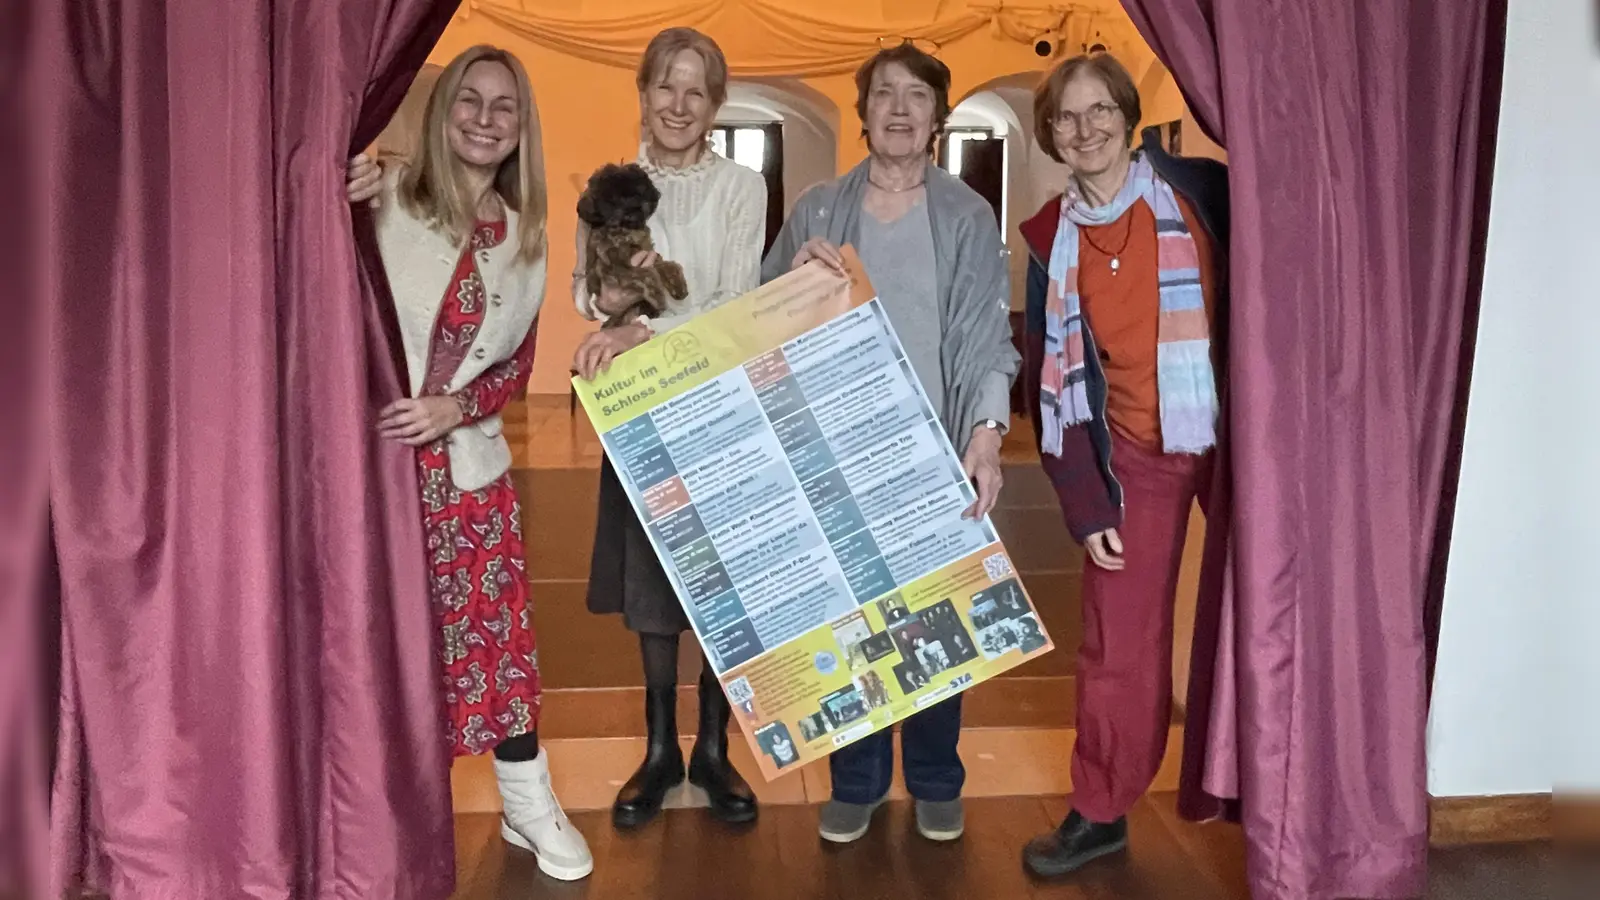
886, 189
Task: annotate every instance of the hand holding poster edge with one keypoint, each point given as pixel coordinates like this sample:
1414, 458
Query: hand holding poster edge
805, 277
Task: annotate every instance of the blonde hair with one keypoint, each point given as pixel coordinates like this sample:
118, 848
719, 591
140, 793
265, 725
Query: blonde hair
433, 188
665, 47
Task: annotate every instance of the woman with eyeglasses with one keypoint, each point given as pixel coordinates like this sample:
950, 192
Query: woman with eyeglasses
934, 254
1126, 273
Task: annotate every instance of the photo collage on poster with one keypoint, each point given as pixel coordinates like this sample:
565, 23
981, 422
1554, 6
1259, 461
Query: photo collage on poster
882, 662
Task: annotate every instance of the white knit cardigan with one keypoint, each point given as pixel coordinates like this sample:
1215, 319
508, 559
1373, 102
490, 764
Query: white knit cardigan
420, 263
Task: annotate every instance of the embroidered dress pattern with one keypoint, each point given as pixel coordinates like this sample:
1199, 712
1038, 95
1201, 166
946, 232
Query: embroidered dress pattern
477, 567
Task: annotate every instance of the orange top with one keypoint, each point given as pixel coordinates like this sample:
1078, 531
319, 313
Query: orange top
1123, 309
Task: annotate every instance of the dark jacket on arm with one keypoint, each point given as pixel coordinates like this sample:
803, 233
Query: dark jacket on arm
1090, 496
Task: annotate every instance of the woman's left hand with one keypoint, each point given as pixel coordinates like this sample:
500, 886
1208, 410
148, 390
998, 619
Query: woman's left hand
600, 348
419, 421
982, 464
363, 179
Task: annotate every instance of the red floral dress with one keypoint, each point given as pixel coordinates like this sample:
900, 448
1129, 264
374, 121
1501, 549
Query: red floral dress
479, 578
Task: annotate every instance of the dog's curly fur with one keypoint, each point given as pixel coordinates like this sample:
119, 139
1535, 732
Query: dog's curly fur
617, 205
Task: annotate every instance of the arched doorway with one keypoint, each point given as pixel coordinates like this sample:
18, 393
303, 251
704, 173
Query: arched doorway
977, 148
786, 131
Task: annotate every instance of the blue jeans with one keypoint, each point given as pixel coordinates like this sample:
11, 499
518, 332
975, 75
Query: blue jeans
863, 771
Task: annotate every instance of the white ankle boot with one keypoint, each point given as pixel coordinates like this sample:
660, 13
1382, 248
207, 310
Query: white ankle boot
533, 819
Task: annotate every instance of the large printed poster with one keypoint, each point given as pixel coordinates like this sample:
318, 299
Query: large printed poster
806, 505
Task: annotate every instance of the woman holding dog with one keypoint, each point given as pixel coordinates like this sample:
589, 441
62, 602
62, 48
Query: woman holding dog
461, 229
710, 219
932, 250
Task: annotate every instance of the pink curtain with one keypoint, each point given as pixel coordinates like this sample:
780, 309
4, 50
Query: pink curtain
1360, 138
27, 639
248, 704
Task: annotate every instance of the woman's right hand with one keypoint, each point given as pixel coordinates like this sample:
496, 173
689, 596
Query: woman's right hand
1104, 549
363, 179
821, 250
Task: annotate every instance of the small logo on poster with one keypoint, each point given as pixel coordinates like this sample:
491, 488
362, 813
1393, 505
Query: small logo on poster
739, 690
826, 662
742, 696
676, 348
997, 566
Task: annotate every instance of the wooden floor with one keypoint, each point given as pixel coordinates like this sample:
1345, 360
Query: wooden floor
687, 856
1016, 744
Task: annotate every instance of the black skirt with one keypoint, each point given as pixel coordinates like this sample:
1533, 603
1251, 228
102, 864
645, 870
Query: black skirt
625, 576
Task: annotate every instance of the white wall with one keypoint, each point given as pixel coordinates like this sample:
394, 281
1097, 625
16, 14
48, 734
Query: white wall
1516, 705
810, 157
1035, 178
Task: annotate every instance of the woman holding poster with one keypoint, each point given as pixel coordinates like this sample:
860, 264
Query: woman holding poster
932, 250
710, 220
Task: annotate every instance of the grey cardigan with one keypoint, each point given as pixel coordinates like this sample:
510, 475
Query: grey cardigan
974, 278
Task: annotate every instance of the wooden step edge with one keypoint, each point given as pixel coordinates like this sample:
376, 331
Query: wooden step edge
1511, 818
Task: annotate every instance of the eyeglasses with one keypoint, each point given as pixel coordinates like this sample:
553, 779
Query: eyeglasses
1099, 115
892, 41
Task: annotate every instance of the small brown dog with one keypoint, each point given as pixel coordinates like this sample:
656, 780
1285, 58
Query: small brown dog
617, 205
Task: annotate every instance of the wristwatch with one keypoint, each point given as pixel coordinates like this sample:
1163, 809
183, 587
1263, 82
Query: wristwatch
992, 424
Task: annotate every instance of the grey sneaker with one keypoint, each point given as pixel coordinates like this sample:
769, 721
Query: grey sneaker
941, 821
843, 822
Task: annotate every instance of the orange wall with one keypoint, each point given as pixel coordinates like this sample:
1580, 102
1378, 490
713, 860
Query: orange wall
589, 113
1195, 142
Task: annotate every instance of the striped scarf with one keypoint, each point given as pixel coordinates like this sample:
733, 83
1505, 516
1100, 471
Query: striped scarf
1183, 354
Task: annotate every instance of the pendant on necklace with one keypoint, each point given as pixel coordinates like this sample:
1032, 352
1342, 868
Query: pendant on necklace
1116, 263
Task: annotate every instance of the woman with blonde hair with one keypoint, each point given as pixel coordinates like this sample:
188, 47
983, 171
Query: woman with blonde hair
462, 232
711, 220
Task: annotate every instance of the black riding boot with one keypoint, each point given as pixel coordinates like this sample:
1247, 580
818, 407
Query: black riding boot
662, 770
731, 798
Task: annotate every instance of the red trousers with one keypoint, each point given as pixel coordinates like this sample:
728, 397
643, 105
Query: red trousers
1125, 663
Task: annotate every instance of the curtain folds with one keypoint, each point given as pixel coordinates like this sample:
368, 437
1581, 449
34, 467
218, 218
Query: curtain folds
248, 701
768, 37
24, 499
1360, 140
